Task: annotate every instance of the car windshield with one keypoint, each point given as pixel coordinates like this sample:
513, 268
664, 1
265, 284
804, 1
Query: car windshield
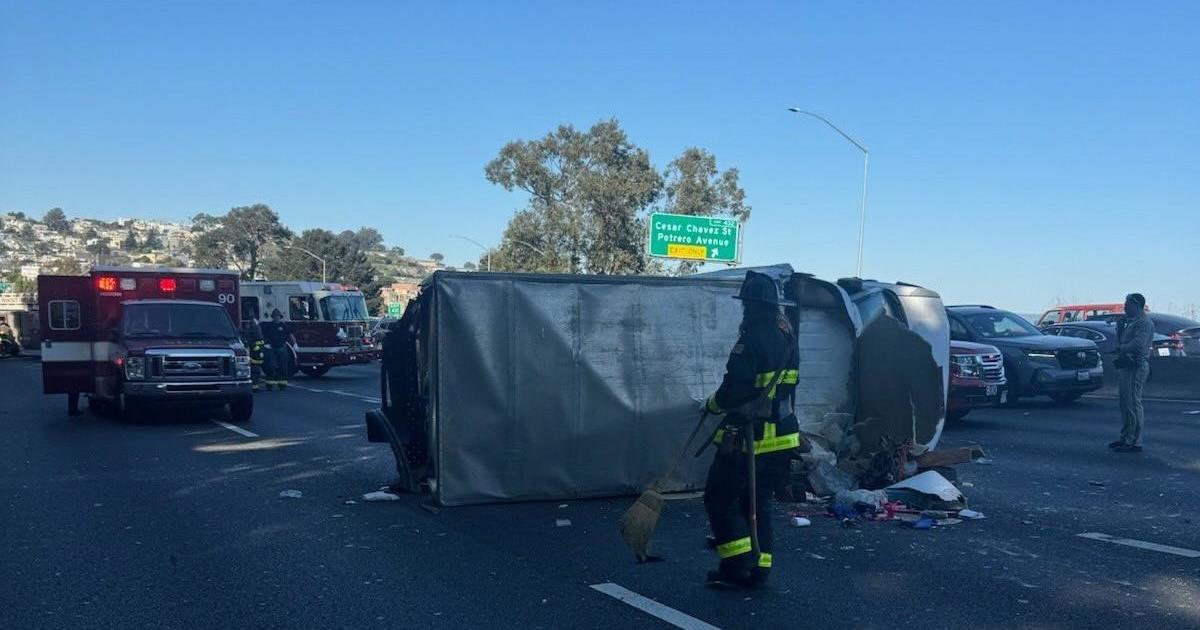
344, 308
201, 321
996, 324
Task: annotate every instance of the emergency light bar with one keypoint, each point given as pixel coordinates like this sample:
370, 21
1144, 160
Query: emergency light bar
166, 285
106, 283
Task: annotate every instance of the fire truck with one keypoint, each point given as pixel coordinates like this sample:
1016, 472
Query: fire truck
131, 338
328, 320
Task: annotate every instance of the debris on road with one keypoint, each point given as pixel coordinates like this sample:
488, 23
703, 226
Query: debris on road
1096, 483
380, 495
562, 522
800, 521
290, 494
971, 515
1192, 412
949, 457
827, 479
931, 483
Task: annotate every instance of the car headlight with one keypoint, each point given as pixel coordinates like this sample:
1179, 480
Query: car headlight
135, 368
243, 366
968, 365
1041, 354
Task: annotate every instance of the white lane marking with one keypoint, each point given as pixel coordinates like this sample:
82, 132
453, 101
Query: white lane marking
1141, 544
338, 392
1187, 401
651, 607
235, 428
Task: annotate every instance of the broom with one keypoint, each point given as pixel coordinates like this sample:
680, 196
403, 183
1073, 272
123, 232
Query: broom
639, 521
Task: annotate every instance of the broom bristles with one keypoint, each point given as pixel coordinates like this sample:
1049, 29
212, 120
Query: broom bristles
639, 521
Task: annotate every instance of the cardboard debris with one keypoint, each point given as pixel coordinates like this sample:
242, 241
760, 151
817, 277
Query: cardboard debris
949, 457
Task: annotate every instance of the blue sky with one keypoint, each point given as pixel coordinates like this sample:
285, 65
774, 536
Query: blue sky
1021, 152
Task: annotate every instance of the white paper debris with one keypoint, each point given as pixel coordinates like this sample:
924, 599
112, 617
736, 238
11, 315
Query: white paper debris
562, 522
290, 494
930, 482
380, 495
971, 515
800, 521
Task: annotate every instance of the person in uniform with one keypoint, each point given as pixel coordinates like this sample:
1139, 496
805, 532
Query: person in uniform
1135, 336
252, 338
756, 398
278, 354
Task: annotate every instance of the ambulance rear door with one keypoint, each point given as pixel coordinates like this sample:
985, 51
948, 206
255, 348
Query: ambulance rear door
65, 305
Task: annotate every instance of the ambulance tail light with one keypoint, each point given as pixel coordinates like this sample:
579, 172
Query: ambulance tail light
106, 283
167, 285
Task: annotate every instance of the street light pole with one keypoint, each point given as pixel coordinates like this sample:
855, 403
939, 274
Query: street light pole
486, 250
862, 208
322, 260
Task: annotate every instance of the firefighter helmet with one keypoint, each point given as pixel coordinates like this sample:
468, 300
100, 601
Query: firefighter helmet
759, 287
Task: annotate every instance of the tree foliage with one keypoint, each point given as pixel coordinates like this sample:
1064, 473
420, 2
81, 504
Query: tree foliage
65, 266
345, 260
152, 241
130, 244
436, 257
238, 238
589, 196
56, 220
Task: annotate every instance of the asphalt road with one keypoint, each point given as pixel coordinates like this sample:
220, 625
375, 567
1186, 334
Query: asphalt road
177, 522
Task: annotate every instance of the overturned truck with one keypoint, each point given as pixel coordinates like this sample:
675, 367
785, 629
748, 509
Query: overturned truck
512, 387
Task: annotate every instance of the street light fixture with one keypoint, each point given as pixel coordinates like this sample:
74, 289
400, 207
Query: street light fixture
486, 250
322, 260
862, 209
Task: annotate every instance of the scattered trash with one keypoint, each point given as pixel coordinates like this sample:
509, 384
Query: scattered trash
380, 495
800, 521
349, 502
815, 556
562, 506
930, 482
338, 516
967, 484
849, 523
290, 494
922, 523
971, 515
874, 499
949, 456
828, 479
1096, 483
1192, 412
562, 522
948, 521
982, 460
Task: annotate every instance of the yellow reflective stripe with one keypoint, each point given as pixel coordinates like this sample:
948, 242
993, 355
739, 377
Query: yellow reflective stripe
764, 560
718, 436
734, 548
768, 430
782, 443
713, 407
790, 377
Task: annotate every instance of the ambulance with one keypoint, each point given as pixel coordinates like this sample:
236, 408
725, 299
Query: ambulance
131, 339
328, 320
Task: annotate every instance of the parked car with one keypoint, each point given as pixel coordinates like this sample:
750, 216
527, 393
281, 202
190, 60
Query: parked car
1035, 364
976, 378
1104, 334
1078, 312
1170, 325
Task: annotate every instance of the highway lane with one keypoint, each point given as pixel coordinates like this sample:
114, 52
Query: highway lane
178, 522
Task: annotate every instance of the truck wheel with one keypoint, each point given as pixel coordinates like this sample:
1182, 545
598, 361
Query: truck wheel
314, 371
241, 409
1065, 399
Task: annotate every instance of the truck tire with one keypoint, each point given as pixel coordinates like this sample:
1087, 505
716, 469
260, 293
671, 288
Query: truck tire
314, 371
242, 409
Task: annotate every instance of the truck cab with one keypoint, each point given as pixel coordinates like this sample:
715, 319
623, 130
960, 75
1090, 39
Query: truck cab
329, 321
135, 338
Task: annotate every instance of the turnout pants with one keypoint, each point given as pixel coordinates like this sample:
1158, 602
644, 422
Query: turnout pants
727, 503
1131, 383
278, 362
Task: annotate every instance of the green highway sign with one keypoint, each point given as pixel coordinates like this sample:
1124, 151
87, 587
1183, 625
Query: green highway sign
394, 309
704, 239
4, 286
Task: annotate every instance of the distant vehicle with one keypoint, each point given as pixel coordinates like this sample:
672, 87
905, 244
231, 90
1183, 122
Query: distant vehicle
1035, 364
130, 338
330, 321
1169, 325
976, 378
1104, 334
1078, 312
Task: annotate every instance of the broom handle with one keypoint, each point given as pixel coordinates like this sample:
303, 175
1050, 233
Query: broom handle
678, 458
753, 502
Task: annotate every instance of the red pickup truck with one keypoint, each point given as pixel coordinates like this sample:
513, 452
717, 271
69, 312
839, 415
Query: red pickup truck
977, 378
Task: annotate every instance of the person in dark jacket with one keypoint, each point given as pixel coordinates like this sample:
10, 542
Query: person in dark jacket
252, 338
1135, 336
758, 407
277, 351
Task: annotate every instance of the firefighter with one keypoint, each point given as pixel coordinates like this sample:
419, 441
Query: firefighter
8, 342
252, 338
753, 408
278, 352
